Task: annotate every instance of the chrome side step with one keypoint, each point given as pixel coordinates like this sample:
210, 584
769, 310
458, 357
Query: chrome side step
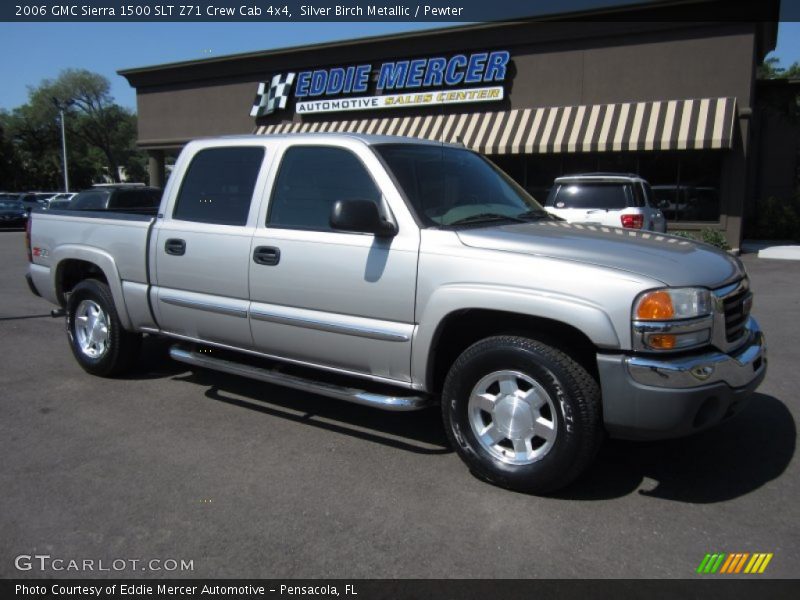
348, 394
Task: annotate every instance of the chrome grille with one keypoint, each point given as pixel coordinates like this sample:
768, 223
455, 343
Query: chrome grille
737, 309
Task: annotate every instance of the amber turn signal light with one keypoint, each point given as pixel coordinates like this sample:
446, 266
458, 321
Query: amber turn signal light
655, 306
665, 341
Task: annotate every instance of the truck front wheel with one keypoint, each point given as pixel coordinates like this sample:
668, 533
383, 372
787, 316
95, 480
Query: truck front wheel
100, 344
522, 414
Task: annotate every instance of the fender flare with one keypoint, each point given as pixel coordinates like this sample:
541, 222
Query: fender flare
103, 261
582, 314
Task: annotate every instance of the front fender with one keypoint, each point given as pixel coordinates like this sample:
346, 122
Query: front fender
579, 313
104, 261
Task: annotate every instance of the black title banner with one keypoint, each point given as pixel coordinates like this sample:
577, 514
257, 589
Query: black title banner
378, 589
395, 10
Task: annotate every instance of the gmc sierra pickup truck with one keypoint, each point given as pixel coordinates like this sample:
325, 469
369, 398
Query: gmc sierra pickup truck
398, 273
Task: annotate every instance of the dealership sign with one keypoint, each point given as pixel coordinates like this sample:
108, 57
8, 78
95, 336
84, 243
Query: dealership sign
395, 84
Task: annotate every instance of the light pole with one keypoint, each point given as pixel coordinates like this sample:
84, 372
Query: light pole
61, 106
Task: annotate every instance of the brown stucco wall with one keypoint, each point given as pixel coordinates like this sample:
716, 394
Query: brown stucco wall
556, 64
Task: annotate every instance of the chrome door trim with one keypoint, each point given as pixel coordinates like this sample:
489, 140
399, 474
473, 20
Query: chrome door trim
204, 306
356, 326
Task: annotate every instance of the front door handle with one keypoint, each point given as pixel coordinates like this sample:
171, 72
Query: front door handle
267, 255
175, 247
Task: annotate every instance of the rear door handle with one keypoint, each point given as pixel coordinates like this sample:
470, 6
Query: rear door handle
175, 247
267, 255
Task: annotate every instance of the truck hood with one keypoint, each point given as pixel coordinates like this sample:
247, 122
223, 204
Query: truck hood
669, 259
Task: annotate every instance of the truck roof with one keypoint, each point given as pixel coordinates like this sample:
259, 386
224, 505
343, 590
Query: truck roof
367, 139
613, 177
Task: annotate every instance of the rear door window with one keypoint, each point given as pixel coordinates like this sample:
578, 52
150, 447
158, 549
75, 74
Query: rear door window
608, 196
136, 199
218, 185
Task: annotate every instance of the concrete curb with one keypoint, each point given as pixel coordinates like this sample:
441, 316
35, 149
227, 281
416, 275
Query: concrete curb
772, 249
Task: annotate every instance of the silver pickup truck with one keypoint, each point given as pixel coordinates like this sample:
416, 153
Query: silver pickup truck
398, 273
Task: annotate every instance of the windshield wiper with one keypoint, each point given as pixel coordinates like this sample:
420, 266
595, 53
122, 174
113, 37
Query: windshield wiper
535, 213
481, 217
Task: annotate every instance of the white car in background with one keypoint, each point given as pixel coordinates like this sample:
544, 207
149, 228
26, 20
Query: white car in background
610, 199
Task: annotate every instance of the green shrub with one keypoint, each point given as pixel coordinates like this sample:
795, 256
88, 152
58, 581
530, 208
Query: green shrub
778, 219
714, 237
684, 234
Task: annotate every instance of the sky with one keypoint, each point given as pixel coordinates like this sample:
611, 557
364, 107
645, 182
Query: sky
36, 51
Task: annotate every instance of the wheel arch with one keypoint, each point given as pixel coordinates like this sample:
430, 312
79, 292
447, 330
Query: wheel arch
462, 328
494, 310
74, 264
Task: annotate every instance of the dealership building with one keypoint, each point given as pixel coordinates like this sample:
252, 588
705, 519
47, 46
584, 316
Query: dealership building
673, 101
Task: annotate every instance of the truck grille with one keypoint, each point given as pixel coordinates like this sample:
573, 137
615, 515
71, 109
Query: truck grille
737, 310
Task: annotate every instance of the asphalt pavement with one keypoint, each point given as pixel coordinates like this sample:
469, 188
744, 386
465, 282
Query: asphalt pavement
244, 479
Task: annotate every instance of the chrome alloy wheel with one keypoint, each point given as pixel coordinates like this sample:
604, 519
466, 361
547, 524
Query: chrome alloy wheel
91, 329
513, 417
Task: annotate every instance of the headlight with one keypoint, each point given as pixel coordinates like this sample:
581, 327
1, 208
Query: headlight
673, 303
672, 319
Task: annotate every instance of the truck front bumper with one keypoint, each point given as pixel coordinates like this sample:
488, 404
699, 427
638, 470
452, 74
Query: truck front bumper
657, 398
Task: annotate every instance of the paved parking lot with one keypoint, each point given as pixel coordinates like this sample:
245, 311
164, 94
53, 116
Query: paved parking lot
250, 480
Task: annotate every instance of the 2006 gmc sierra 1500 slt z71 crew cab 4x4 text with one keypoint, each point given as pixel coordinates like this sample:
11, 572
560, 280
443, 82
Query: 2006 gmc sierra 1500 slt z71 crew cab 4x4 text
396, 273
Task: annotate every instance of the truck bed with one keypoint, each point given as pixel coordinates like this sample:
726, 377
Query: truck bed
117, 240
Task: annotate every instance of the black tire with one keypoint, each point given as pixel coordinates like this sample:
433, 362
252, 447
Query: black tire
576, 420
121, 348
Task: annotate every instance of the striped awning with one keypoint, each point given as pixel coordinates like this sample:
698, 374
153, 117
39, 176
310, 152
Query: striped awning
706, 123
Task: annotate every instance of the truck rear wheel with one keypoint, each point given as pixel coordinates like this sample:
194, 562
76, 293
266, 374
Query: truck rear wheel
100, 344
522, 414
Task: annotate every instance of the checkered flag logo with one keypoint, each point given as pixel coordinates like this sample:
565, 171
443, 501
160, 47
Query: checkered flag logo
271, 98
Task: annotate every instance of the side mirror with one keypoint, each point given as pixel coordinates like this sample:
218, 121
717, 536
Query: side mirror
361, 216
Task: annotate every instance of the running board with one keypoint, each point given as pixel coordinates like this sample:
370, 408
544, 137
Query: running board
348, 394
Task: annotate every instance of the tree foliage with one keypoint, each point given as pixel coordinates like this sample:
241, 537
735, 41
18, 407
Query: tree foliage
771, 69
101, 135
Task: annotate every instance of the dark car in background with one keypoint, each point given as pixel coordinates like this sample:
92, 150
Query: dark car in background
60, 200
56, 203
32, 200
137, 199
12, 212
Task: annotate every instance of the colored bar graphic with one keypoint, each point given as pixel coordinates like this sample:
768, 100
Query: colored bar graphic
741, 562
718, 563
754, 563
765, 563
703, 563
727, 564
734, 563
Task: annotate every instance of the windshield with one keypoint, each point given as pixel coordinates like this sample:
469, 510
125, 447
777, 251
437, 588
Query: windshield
451, 186
11, 204
608, 196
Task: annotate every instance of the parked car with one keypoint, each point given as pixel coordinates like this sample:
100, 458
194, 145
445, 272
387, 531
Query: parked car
12, 213
119, 198
397, 273
58, 204
61, 197
33, 200
609, 199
